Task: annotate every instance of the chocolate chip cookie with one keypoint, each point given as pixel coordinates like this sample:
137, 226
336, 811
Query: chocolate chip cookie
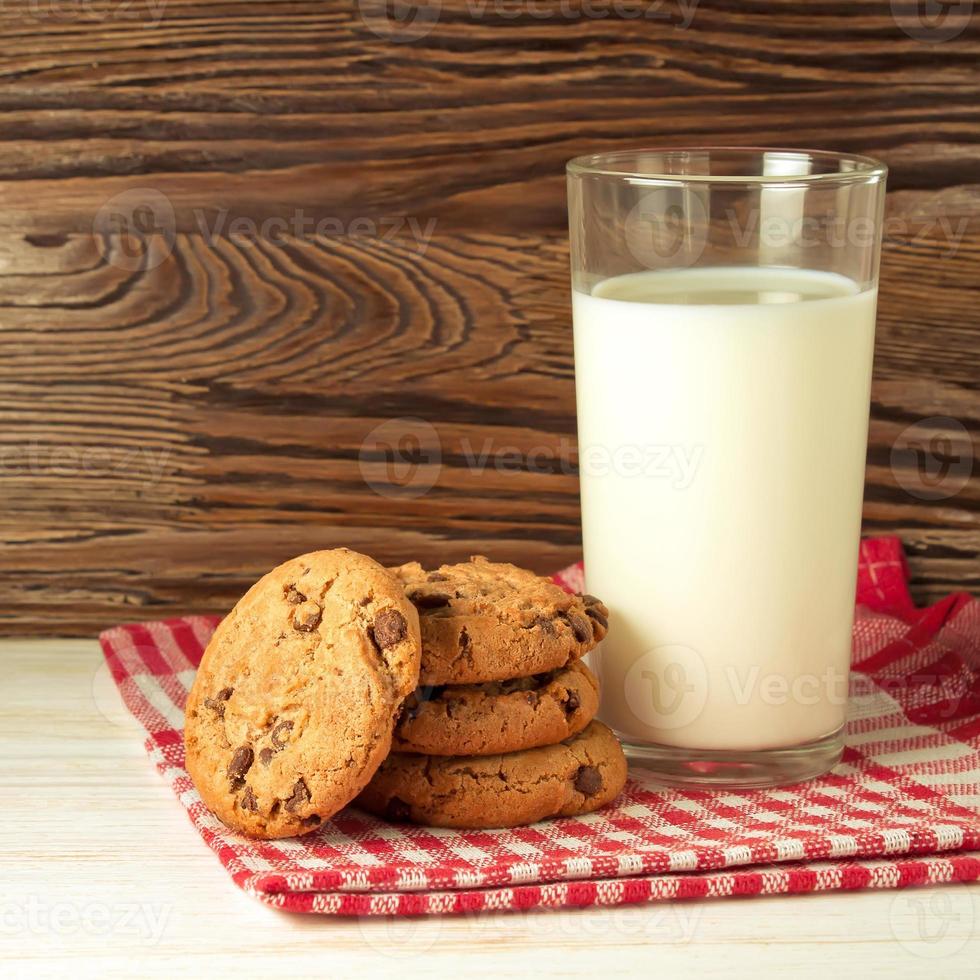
484, 621
293, 706
501, 716
576, 776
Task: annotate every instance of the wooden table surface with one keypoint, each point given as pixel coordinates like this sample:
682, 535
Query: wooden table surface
103, 874
236, 239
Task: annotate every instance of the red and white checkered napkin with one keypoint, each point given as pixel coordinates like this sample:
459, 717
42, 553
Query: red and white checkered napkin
903, 807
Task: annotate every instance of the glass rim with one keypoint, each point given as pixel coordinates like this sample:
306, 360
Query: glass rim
866, 169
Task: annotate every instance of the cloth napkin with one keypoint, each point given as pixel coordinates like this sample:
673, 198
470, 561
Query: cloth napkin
902, 808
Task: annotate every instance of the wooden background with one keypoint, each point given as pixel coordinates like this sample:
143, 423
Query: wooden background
180, 416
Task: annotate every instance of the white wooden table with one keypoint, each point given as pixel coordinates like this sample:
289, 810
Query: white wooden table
101, 873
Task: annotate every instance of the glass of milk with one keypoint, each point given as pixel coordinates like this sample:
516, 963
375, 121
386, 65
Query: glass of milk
724, 307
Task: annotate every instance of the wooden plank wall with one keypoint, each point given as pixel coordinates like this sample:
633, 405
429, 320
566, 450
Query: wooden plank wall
180, 415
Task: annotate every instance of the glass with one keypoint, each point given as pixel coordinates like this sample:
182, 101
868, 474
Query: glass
724, 304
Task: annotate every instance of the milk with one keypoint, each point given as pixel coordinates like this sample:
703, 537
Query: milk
723, 416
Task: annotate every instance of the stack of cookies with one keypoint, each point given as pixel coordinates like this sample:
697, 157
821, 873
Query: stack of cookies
470, 674
500, 731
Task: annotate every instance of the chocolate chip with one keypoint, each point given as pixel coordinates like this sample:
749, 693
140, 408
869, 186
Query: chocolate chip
240, 764
588, 781
248, 801
217, 703
283, 728
312, 821
572, 703
464, 640
581, 627
547, 626
532, 698
389, 628
293, 596
307, 617
300, 797
430, 600
398, 811
596, 609
436, 577
265, 756
594, 613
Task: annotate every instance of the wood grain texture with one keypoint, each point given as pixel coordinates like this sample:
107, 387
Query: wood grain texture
179, 416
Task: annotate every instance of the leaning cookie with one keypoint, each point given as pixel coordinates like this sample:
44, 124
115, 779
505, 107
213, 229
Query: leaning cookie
500, 716
483, 621
293, 707
574, 777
